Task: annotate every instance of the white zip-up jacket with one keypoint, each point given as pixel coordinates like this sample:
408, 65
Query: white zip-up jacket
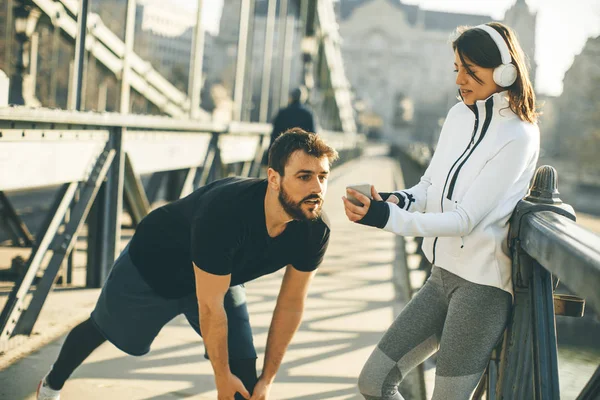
482, 166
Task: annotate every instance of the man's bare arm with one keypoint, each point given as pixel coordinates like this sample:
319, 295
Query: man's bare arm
210, 292
286, 319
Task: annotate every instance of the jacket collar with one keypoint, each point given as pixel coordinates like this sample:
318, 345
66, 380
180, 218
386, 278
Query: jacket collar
485, 110
499, 101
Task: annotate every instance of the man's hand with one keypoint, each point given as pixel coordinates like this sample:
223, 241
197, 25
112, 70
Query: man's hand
228, 386
261, 390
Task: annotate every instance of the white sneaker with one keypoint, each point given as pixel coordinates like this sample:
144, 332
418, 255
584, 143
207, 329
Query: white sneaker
45, 392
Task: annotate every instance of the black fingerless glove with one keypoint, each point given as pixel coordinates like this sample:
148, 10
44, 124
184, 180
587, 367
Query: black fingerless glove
377, 215
405, 199
385, 195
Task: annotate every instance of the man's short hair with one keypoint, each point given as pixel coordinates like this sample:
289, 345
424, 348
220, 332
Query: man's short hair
298, 139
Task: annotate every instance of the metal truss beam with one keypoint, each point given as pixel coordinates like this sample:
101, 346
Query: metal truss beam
60, 245
591, 390
17, 228
135, 195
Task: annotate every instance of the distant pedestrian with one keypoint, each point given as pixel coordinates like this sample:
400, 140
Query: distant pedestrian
295, 115
484, 161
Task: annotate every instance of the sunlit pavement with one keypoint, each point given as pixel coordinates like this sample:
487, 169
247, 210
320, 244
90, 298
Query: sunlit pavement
351, 302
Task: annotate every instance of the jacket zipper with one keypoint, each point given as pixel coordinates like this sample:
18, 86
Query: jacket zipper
450, 172
488, 118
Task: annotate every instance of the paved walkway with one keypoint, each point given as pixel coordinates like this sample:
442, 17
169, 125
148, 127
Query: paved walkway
351, 302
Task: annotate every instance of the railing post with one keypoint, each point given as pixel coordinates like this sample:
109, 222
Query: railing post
77, 77
114, 197
203, 178
93, 273
135, 195
310, 45
265, 94
126, 71
281, 54
287, 60
529, 367
240, 73
545, 349
104, 231
195, 75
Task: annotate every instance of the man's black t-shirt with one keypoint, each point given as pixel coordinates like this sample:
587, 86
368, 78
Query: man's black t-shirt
221, 228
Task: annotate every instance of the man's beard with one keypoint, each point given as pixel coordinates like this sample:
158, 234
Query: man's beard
294, 209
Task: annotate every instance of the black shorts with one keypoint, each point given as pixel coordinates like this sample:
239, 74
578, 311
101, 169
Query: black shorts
130, 314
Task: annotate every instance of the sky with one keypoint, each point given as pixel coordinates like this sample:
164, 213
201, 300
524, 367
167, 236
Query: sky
563, 26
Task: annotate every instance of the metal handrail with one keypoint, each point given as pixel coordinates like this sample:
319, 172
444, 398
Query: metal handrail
107, 119
184, 154
567, 250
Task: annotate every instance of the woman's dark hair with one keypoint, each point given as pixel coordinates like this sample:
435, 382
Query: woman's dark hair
478, 46
298, 139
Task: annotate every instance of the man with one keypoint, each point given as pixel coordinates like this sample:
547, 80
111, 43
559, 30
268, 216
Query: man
193, 256
296, 114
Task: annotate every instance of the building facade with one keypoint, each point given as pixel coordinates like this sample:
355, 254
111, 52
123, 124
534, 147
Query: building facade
399, 59
577, 124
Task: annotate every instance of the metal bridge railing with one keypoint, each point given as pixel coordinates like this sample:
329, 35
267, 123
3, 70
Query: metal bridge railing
109, 50
98, 159
547, 245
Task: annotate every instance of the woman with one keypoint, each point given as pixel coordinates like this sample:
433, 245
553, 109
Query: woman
484, 161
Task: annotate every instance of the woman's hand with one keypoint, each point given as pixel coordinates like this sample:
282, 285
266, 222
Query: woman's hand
354, 212
393, 199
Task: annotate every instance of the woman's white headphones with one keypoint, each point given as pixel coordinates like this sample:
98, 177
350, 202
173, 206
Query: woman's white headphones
506, 73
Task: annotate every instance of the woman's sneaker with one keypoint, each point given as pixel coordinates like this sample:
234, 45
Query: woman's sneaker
45, 392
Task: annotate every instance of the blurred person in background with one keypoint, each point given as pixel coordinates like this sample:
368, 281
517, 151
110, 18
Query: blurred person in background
295, 115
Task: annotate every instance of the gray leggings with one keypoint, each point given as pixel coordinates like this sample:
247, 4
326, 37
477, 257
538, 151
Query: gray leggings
461, 319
